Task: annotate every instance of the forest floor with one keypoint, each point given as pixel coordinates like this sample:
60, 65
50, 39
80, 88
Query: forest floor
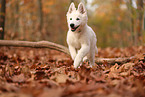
35, 72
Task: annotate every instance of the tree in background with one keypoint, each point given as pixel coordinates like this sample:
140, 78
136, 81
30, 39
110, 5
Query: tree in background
140, 19
137, 19
16, 14
2, 17
116, 22
132, 16
40, 15
120, 22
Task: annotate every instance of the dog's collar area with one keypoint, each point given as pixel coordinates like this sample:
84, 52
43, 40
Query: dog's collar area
74, 28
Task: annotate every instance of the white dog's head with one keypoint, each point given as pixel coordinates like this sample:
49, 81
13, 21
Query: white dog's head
76, 18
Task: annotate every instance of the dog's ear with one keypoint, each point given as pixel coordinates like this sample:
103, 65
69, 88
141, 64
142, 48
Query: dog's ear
71, 8
81, 8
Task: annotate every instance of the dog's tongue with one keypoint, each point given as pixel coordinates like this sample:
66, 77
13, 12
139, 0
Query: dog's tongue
73, 28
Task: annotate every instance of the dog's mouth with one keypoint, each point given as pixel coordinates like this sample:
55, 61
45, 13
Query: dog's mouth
74, 28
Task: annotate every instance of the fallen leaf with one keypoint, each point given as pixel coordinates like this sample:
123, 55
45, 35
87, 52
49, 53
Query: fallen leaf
114, 68
126, 66
61, 78
19, 78
56, 92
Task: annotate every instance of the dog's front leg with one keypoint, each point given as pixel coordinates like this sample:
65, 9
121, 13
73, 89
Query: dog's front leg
73, 52
81, 54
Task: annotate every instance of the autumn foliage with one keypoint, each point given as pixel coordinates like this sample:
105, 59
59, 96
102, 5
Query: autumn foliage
116, 23
30, 72
42, 72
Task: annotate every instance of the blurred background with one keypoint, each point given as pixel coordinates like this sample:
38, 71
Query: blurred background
117, 23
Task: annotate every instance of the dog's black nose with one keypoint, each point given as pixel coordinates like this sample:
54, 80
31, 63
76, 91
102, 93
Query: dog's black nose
72, 25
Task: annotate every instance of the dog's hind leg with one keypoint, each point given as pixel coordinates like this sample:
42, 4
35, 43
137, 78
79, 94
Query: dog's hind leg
96, 49
91, 57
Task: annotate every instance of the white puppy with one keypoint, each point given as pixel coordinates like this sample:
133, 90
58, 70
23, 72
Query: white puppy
81, 39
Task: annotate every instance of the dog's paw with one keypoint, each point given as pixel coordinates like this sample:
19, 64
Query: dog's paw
76, 66
91, 65
85, 58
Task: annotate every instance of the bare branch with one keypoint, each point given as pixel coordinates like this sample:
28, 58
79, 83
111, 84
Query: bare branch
40, 44
113, 60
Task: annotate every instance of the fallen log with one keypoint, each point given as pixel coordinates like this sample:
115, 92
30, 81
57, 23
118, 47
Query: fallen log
58, 47
40, 44
114, 60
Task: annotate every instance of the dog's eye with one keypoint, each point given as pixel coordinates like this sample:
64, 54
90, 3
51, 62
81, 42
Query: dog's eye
77, 19
70, 18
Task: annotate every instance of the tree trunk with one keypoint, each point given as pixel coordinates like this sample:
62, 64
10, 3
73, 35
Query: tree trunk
16, 26
132, 21
144, 20
140, 19
40, 15
2, 17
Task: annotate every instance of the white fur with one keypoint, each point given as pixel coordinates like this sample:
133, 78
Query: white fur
82, 41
